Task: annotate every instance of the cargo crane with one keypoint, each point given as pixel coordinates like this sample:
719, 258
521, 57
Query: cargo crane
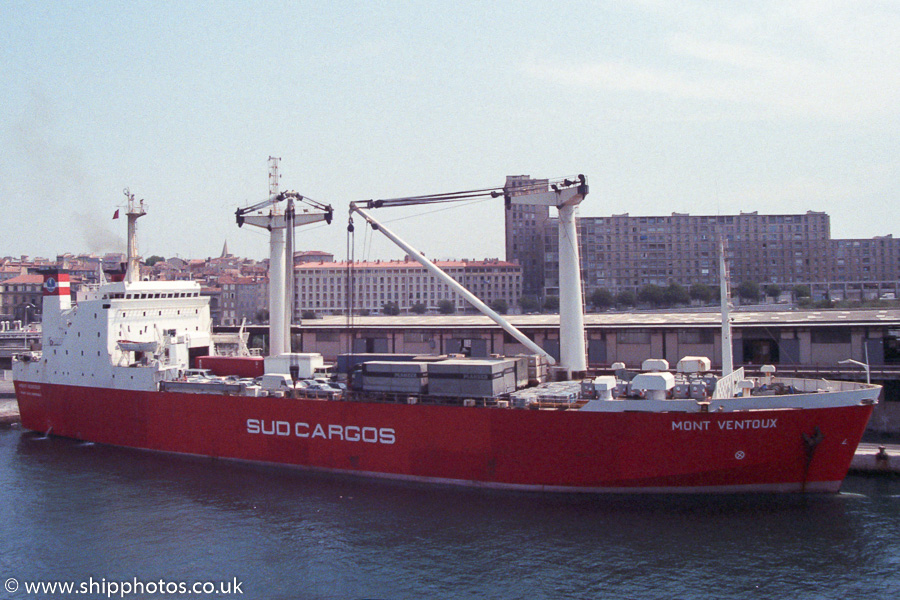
565, 195
281, 225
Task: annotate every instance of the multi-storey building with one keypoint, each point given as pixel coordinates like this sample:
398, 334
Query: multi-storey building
244, 298
861, 269
21, 298
525, 233
322, 287
623, 252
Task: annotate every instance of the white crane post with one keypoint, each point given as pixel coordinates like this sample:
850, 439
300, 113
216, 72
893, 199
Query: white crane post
725, 305
455, 285
572, 353
276, 292
571, 312
289, 272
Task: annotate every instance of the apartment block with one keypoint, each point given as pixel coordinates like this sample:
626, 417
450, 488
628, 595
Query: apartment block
624, 252
243, 298
322, 287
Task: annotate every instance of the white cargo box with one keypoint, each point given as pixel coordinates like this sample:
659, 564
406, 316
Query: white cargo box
694, 364
306, 363
655, 364
274, 382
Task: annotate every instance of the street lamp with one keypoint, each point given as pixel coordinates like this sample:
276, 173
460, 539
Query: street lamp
29, 308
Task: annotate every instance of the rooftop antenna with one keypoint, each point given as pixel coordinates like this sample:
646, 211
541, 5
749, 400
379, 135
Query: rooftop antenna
274, 178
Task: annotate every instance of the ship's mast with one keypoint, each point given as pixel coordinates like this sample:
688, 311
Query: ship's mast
135, 210
288, 304
279, 223
725, 303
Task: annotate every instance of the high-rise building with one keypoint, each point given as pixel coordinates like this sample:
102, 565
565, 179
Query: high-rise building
624, 252
525, 227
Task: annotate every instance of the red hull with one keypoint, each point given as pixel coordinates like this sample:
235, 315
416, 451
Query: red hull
526, 449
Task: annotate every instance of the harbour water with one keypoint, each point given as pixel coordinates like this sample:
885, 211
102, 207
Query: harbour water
82, 512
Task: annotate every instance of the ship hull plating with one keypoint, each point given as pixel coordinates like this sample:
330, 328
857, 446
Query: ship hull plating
778, 450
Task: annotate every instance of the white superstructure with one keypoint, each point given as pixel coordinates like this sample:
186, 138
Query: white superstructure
123, 336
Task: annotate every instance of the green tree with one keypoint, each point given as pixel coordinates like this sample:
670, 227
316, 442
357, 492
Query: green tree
773, 290
418, 308
702, 293
602, 298
446, 307
801, 291
499, 306
551, 303
308, 314
153, 260
529, 303
749, 290
390, 308
651, 294
675, 294
626, 298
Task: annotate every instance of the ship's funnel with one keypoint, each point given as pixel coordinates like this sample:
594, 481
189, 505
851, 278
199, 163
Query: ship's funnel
57, 290
57, 299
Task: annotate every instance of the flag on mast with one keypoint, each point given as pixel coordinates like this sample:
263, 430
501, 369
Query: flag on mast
116, 215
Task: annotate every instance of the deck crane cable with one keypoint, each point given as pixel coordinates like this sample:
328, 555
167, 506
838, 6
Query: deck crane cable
437, 210
351, 254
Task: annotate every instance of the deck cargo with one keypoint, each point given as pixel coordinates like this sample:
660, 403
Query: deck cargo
395, 377
346, 362
242, 366
471, 378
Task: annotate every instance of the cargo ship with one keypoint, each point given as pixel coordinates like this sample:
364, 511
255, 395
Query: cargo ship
136, 364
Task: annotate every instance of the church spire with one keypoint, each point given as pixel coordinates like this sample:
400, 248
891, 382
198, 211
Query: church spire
225, 253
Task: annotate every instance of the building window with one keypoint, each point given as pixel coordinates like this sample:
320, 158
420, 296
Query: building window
633, 336
695, 336
830, 335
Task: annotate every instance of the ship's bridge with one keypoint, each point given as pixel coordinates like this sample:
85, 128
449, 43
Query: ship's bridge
142, 290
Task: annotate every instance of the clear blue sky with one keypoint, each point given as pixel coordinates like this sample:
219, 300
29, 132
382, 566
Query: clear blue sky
700, 107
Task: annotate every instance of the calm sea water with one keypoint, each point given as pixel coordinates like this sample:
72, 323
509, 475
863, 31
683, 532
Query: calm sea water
74, 511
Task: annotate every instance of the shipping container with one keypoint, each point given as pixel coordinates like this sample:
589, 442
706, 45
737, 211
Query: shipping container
395, 377
471, 378
346, 362
242, 366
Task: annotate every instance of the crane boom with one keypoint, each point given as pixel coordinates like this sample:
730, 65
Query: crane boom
453, 284
565, 195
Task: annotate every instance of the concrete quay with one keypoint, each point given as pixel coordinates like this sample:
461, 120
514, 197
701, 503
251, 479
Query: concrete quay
875, 457
9, 408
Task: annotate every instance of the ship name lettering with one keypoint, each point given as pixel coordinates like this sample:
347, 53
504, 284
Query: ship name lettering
690, 425
749, 424
730, 425
330, 432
